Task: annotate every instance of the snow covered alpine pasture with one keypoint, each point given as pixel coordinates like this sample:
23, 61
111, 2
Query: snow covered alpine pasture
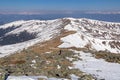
92, 35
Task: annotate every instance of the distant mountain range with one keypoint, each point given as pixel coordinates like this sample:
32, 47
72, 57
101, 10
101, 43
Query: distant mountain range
58, 12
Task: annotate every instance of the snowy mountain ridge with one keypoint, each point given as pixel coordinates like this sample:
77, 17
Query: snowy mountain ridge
93, 34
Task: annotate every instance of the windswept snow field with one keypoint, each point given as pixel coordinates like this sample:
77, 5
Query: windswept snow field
98, 67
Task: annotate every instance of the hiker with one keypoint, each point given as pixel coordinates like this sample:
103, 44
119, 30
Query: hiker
60, 52
7, 74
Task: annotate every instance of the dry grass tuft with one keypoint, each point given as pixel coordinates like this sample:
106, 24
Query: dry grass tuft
109, 57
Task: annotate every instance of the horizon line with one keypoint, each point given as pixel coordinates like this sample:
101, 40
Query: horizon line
42, 12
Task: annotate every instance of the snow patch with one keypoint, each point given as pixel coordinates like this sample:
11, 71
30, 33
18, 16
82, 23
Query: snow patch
73, 40
20, 78
98, 67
